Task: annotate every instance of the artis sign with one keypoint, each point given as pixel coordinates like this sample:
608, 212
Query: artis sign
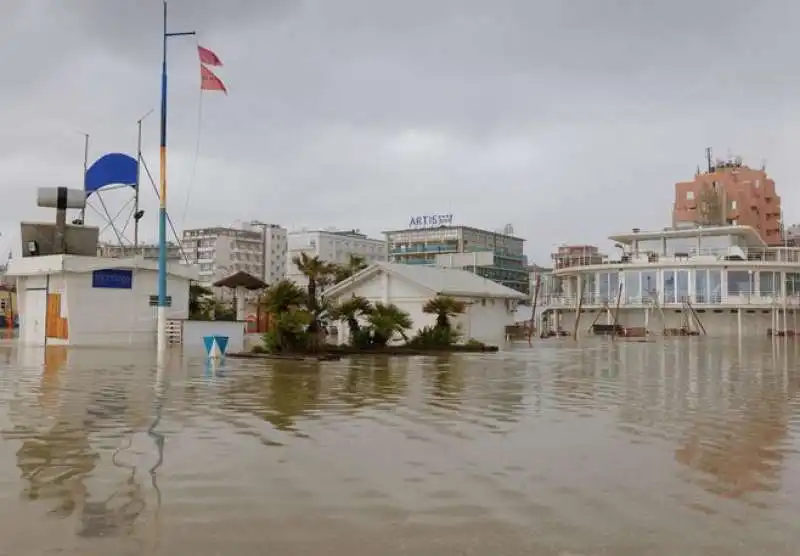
432, 221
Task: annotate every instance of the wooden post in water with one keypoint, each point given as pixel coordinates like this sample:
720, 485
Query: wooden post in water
580, 309
616, 313
533, 311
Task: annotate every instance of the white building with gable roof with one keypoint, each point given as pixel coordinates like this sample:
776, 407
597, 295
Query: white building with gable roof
490, 306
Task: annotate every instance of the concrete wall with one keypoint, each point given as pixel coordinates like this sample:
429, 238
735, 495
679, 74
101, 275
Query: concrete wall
102, 316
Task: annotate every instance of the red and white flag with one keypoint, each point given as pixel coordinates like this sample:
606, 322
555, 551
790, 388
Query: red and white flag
207, 57
210, 82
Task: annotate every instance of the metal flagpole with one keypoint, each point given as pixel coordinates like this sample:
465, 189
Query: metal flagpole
136, 214
161, 339
85, 169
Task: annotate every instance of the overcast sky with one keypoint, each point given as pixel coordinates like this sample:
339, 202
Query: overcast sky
569, 119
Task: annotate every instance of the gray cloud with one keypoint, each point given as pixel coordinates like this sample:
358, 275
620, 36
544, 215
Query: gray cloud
569, 119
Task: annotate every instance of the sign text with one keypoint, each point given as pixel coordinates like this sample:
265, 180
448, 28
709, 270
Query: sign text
430, 221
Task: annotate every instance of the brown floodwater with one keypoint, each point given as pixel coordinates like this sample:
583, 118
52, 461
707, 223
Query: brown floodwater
681, 447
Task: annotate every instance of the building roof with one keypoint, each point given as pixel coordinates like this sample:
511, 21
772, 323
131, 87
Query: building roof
241, 279
440, 280
55, 264
746, 232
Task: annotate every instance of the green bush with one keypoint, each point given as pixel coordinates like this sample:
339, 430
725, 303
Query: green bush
272, 343
435, 337
473, 343
362, 338
258, 348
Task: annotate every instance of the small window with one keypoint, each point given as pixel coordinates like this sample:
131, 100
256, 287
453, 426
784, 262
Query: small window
733, 205
690, 195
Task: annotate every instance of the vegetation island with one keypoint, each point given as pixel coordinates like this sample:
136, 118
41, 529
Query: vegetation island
298, 318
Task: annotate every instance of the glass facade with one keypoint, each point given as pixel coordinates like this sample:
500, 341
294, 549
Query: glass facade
769, 283
792, 283
420, 246
633, 286
707, 285
608, 287
740, 282
649, 283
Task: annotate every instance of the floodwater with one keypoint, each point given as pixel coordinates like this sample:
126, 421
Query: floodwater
687, 446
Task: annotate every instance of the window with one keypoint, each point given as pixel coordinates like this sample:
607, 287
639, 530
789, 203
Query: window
739, 282
632, 287
733, 205
792, 283
768, 283
690, 195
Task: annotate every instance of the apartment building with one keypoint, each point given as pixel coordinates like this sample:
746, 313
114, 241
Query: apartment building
426, 245
275, 249
730, 193
333, 246
257, 248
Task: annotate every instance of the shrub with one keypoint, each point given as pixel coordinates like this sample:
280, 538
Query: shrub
362, 338
435, 337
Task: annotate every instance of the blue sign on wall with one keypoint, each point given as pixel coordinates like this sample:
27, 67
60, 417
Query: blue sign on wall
114, 278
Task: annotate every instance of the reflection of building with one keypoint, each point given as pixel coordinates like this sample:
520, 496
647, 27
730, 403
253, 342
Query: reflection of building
56, 422
731, 193
332, 246
422, 245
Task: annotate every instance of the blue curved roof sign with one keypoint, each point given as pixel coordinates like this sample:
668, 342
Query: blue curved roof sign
111, 169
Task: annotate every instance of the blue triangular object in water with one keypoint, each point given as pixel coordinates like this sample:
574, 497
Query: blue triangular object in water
208, 341
222, 343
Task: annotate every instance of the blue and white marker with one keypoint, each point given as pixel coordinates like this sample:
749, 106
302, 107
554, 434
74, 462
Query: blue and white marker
215, 346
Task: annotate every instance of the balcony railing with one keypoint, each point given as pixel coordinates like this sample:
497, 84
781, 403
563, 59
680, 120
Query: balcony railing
760, 254
742, 298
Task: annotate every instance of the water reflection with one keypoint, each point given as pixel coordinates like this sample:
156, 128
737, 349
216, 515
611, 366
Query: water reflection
563, 445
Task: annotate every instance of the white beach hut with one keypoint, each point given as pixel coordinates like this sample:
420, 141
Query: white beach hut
490, 306
92, 301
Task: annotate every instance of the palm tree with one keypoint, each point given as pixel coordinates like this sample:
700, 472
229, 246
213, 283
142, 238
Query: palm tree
350, 310
387, 320
318, 274
354, 265
444, 307
285, 302
282, 296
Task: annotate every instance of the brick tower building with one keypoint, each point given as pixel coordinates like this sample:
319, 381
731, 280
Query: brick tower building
730, 192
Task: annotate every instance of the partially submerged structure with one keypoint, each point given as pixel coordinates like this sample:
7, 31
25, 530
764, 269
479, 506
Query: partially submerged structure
490, 306
719, 280
93, 301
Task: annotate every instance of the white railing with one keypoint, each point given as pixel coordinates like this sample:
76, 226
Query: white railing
733, 299
175, 331
787, 255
